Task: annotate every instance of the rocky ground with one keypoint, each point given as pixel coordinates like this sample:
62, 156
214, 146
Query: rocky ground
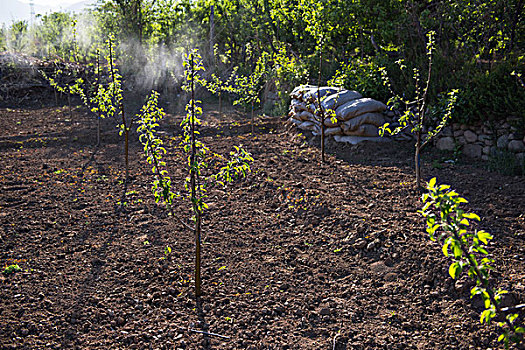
300, 255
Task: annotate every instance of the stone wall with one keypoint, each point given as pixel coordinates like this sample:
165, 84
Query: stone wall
482, 140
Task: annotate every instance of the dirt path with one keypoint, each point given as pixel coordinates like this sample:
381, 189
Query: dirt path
298, 256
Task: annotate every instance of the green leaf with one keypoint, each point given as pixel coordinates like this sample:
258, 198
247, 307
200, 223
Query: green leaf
464, 222
471, 216
485, 316
486, 299
512, 317
454, 270
484, 236
445, 248
458, 253
475, 291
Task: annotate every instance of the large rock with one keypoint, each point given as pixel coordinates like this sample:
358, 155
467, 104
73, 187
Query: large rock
470, 136
472, 150
503, 141
357, 107
484, 138
340, 98
446, 144
516, 146
447, 131
458, 133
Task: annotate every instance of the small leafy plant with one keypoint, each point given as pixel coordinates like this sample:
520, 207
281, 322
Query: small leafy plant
249, 87
198, 157
11, 269
105, 99
218, 87
313, 103
117, 103
414, 115
467, 249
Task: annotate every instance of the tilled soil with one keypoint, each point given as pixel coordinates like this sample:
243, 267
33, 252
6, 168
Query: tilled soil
300, 255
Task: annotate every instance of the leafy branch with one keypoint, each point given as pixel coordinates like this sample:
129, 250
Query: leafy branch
314, 105
249, 87
198, 155
217, 86
465, 247
414, 111
148, 120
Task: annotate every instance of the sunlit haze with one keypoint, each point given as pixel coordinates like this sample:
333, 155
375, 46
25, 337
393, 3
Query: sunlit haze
52, 3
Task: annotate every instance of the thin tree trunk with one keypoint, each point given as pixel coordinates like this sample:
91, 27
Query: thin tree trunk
212, 34
418, 160
322, 142
193, 184
220, 104
253, 127
126, 150
98, 130
198, 289
321, 112
123, 115
69, 103
98, 90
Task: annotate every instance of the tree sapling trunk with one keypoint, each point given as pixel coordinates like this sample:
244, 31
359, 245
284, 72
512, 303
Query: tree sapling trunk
194, 185
321, 112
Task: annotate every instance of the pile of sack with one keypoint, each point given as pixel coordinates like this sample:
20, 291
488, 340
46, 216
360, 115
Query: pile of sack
349, 117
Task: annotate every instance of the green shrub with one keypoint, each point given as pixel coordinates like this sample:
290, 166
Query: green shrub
362, 75
491, 95
467, 248
506, 163
12, 269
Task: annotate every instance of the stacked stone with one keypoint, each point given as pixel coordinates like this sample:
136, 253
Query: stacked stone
356, 119
481, 141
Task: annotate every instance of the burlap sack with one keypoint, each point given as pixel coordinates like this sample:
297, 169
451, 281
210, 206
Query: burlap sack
376, 119
366, 130
340, 98
357, 107
357, 139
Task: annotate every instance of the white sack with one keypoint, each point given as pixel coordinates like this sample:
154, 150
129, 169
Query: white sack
376, 119
357, 107
357, 139
340, 98
364, 130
